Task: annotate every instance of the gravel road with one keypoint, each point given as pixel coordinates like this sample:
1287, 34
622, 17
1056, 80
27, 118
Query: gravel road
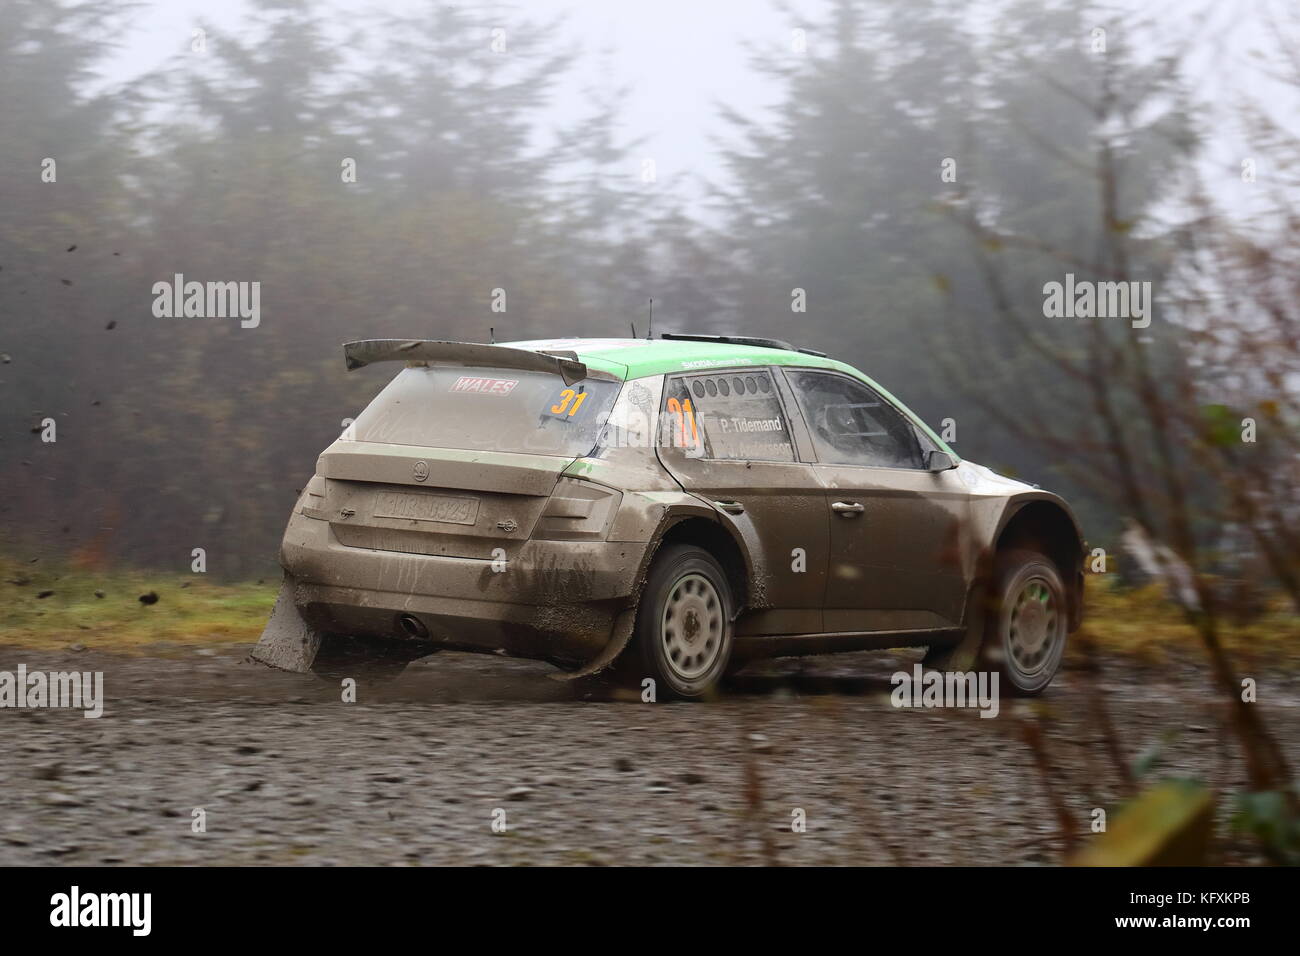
285, 772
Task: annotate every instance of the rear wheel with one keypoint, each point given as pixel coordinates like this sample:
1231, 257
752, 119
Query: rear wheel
684, 628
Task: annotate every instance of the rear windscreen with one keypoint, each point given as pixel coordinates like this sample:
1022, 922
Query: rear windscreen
488, 410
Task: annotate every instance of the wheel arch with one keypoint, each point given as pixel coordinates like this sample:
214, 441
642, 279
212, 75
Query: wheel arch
659, 517
1045, 523
715, 538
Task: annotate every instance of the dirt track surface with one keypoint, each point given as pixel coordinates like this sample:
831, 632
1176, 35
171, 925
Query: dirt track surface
287, 773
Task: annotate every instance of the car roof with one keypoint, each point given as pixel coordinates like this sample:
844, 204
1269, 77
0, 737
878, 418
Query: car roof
637, 358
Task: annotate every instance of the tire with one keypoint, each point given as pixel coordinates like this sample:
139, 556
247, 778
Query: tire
1028, 621
683, 634
366, 661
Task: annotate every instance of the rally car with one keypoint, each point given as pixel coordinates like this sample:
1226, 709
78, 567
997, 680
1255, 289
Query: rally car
662, 509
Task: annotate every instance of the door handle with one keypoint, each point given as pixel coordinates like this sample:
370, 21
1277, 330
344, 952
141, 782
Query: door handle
731, 507
847, 509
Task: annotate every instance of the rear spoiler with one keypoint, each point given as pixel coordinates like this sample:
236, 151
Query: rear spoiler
472, 354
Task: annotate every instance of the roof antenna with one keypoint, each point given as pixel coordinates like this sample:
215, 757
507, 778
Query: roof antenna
492, 336
649, 329
633, 324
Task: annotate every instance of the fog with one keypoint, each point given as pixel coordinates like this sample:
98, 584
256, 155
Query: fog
884, 181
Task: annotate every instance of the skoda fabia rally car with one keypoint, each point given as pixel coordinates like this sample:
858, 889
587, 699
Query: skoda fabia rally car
665, 509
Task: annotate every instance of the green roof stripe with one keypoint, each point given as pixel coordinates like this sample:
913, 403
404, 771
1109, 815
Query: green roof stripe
637, 358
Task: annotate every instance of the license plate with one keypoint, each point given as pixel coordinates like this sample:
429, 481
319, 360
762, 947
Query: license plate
440, 508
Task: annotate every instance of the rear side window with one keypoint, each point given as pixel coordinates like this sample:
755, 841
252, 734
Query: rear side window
484, 409
730, 415
851, 424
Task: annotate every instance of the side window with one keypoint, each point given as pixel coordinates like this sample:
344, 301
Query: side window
731, 415
851, 424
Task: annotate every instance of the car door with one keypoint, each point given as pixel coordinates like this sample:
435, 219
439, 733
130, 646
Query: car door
726, 436
895, 525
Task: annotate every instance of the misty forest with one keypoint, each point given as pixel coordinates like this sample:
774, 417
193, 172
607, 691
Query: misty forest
901, 206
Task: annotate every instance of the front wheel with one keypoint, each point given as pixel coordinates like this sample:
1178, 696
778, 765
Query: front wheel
684, 622
1028, 622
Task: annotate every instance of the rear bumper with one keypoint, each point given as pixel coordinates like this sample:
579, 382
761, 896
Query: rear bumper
554, 600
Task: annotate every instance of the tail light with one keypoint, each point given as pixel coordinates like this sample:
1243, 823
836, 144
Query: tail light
577, 510
312, 500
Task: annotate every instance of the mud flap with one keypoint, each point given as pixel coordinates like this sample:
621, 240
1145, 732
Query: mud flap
620, 636
288, 642
964, 656
970, 653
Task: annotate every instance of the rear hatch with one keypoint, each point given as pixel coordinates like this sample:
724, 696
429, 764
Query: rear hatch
457, 461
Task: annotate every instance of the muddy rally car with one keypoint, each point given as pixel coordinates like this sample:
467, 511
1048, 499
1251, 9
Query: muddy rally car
665, 509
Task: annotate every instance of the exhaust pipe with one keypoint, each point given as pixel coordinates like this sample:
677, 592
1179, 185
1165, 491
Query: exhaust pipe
413, 627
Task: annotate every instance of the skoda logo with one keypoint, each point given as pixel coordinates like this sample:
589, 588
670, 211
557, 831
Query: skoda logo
421, 470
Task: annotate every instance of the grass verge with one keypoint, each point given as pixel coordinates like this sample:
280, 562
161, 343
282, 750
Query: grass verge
192, 610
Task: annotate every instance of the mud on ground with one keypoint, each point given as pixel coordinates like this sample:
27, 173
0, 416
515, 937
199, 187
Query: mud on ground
415, 773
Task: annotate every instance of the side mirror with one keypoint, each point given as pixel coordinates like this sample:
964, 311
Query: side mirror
937, 461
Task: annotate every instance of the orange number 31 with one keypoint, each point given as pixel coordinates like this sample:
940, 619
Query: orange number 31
567, 396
